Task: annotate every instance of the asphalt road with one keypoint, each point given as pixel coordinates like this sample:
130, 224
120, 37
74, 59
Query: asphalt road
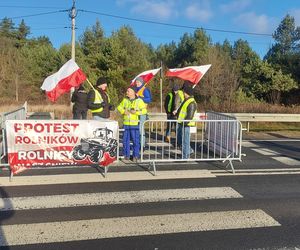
186, 206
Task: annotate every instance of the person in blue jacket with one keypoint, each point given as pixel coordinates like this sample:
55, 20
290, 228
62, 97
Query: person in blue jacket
145, 94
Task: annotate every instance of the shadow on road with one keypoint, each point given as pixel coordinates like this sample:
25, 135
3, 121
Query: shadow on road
4, 215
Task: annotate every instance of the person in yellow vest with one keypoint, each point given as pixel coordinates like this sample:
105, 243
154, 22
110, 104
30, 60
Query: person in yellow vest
144, 93
172, 103
186, 112
131, 108
99, 101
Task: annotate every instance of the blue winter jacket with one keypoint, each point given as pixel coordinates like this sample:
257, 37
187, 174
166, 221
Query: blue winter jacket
147, 94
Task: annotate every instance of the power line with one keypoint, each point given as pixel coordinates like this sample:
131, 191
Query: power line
175, 25
28, 7
33, 15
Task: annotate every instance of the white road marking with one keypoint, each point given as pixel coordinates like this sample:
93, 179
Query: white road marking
258, 170
248, 144
257, 173
158, 144
275, 140
265, 151
287, 160
96, 177
92, 199
39, 233
151, 152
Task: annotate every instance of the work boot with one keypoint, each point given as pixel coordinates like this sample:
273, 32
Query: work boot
126, 160
135, 159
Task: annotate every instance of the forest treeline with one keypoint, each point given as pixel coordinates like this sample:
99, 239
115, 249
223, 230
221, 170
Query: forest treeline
237, 76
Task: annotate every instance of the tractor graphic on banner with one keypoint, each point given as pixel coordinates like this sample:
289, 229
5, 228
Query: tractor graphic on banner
97, 147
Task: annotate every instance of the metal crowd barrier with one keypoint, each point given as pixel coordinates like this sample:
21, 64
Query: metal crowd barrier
216, 138
17, 114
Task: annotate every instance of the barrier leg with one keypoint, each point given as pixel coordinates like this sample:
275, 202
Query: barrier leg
154, 167
11, 174
229, 163
105, 171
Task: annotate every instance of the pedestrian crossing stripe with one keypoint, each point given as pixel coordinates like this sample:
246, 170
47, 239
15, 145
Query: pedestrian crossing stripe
50, 232
109, 198
96, 177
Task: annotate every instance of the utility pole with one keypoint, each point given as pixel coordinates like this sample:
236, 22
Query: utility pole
72, 15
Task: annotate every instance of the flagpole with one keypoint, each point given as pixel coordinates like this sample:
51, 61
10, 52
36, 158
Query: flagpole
160, 81
72, 15
90, 83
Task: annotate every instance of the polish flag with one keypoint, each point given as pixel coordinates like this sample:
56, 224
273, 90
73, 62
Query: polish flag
192, 73
146, 75
68, 76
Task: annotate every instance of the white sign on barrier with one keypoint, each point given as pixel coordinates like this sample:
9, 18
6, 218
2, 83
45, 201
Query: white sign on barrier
68, 142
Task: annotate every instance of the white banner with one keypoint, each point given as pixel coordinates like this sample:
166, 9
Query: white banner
66, 142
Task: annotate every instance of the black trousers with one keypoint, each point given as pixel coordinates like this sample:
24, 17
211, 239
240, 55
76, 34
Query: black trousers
79, 114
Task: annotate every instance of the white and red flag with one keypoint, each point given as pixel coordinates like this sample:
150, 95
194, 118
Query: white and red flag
192, 73
68, 76
146, 75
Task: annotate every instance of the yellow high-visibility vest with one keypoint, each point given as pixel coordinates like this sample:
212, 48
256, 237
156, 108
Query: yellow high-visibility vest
138, 105
171, 94
181, 95
97, 100
183, 112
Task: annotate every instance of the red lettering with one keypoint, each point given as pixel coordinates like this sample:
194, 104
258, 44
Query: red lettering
38, 128
75, 126
18, 140
57, 128
17, 127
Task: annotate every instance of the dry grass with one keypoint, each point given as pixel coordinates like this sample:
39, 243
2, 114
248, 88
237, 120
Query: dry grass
265, 108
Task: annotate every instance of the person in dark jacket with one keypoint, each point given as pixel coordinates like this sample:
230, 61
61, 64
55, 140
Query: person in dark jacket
172, 103
99, 101
79, 98
185, 117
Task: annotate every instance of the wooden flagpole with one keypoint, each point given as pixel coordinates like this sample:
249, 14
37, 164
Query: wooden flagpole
160, 82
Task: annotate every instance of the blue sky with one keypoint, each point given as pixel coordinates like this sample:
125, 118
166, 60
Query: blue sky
250, 16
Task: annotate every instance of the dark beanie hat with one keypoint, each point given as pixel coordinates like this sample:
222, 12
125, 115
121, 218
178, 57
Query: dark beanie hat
176, 87
186, 83
101, 80
188, 88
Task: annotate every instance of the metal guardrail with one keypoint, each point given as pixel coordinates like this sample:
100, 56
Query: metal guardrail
265, 117
244, 117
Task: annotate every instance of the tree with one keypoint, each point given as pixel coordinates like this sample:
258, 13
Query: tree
7, 28
287, 37
265, 82
23, 31
123, 57
12, 70
41, 61
284, 55
166, 54
192, 49
220, 83
92, 39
